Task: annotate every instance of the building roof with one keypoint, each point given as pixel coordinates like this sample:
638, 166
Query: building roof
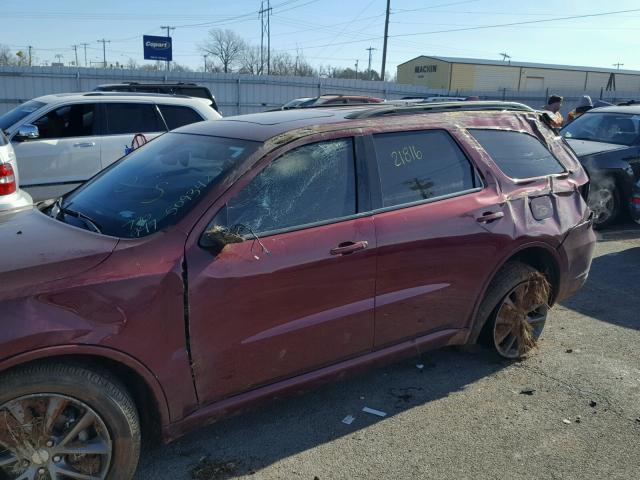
500, 63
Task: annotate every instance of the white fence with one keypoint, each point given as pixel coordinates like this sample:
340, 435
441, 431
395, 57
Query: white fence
238, 94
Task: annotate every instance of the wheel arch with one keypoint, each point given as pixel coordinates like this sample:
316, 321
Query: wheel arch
141, 383
540, 256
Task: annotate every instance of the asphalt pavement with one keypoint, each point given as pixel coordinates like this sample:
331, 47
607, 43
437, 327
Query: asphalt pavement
571, 410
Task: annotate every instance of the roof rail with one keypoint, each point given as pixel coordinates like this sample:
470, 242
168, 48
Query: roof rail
134, 94
383, 109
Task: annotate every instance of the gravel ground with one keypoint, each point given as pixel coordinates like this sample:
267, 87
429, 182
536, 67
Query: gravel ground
570, 410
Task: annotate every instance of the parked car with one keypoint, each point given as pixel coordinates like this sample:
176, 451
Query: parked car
62, 140
11, 196
180, 88
328, 100
607, 141
232, 261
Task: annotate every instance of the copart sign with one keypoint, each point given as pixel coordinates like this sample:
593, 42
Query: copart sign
157, 48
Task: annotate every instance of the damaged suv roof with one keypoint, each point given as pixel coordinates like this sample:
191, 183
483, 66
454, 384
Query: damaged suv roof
263, 126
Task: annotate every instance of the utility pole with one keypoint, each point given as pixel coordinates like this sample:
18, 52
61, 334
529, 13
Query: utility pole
618, 65
357, 69
168, 36
205, 62
265, 22
85, 53
104, 51
30, 49
75, 50
386, 36
371, 49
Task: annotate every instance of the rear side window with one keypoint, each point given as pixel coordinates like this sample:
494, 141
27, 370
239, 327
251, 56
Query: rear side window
417, 166
176, 116
517, 154
309, 184
126, 118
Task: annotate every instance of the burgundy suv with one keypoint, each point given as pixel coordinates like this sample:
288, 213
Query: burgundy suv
229, 261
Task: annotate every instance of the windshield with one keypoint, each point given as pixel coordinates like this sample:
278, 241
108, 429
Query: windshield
18, 113
157, 185
620, 128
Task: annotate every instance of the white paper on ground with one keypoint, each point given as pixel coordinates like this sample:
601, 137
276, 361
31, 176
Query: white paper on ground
374, 412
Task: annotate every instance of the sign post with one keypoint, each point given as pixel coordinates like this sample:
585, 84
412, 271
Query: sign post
157, 48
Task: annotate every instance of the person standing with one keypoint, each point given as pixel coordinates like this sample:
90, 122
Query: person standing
584, 104
552, 112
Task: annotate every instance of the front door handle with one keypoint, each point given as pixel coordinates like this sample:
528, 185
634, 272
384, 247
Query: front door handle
488, 217
346, 248
84, 144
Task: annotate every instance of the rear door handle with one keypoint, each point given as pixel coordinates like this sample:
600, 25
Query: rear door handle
84, 144
489, 217
346, 248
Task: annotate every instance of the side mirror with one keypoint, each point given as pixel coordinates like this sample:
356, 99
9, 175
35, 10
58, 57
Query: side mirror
217, 237
28, 132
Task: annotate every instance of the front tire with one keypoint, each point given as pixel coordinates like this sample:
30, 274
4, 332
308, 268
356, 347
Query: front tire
63, 421
604, 201
514, 310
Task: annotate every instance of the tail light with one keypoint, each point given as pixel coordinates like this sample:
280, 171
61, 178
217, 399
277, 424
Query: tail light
7, 179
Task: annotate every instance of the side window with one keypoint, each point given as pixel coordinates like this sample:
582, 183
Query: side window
177, 116
517, 154
68, 121
124, 118
310, 184
421, 165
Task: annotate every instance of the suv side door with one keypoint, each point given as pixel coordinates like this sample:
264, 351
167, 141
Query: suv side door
122, 121
433, 253
298, 293
66, 153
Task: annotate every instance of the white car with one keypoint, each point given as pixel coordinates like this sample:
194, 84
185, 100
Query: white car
63, 140
11, 197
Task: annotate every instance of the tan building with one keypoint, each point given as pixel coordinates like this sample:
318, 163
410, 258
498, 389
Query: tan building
475, 75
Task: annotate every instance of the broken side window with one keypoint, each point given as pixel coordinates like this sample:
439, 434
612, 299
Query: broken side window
309, 184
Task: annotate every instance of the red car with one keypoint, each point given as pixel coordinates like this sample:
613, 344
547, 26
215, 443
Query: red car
230, 261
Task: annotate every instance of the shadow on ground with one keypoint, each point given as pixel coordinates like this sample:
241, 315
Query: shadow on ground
613, 278
254, 440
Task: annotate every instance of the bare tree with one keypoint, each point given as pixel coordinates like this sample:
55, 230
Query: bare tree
250, 61
6, 57
225, 45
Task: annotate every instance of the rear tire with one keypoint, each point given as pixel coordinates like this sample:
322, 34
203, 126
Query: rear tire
514, 310
58, 398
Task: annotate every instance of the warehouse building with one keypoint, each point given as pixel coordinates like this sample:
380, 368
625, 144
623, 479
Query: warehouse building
471, 74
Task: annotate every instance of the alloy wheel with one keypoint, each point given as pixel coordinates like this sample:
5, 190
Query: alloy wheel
52, 437
519, 322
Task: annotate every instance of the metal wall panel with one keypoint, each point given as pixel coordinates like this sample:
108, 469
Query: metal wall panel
235, 93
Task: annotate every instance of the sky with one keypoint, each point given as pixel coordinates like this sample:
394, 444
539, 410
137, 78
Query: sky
335, 32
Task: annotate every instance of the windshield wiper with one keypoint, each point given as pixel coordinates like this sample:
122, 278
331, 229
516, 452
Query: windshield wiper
57, 209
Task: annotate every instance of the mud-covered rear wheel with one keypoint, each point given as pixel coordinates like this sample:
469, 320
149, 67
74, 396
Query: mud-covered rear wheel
514, 310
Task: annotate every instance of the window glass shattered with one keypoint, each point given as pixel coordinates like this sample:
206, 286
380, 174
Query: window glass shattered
310, 184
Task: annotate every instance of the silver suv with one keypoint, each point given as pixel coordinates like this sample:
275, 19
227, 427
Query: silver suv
63, 140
